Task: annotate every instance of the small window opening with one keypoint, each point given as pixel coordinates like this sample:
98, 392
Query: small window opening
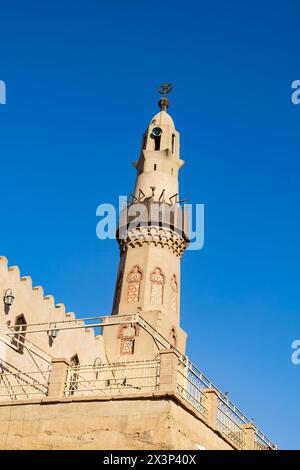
154, 166
157, 142
173, 143
172, 171
173, 337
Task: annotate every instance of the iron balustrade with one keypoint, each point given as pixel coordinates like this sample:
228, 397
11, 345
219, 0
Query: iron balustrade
261, 442
230, 410
230, 424
122, 377
190, 387
17, 385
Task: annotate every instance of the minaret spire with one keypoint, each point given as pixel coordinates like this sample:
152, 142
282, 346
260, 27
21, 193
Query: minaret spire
164, 89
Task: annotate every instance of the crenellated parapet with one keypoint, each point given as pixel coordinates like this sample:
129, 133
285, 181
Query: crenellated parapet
32, 306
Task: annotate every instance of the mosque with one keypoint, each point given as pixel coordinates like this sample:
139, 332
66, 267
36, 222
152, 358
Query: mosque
121, 381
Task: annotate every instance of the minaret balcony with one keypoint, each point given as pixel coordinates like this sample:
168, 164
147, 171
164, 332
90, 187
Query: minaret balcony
154, 222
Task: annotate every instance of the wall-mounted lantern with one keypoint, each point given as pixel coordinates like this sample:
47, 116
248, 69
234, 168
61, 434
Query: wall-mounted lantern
8, 299
52, 332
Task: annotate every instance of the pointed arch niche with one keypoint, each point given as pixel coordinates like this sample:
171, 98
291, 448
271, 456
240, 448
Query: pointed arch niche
134, 280
127, 335
157, 286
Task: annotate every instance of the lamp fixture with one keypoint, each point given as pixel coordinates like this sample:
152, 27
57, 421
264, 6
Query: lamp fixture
52, 332
8, 298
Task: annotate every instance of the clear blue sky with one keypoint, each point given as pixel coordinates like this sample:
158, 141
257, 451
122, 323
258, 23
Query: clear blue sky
81, 80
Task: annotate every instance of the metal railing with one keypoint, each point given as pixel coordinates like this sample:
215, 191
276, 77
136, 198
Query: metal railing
230, 424
122, 377
17, 385
190, 387
261, 442
230, 416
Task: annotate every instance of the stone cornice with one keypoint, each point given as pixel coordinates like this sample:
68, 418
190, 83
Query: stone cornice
154, 235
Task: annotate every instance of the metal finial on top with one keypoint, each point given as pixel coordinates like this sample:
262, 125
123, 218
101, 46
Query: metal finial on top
164, 89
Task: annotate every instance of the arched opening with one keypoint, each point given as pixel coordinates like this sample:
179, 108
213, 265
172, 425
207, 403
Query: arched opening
127, 340
74, 361
134, 279
157, 285
20, 330
74, 377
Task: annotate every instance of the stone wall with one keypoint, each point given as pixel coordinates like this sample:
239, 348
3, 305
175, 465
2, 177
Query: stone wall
153, 421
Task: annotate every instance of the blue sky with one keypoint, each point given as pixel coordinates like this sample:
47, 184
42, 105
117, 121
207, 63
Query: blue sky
81, 88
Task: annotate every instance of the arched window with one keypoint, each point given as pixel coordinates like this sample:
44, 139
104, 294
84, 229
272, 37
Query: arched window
20, 330
74, 377
134, 279
127, 340
74, 361
174, 293
157, 285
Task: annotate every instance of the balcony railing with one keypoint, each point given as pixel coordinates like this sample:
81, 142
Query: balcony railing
190, 386
122, 377
261, 442
230, 424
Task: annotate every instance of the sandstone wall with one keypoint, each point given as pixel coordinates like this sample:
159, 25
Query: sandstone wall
146, 422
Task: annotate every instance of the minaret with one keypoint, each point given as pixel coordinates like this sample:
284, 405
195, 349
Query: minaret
152, 235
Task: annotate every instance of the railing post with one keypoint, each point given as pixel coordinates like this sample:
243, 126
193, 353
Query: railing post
168, 371
212, 406
58, 377
249, 430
